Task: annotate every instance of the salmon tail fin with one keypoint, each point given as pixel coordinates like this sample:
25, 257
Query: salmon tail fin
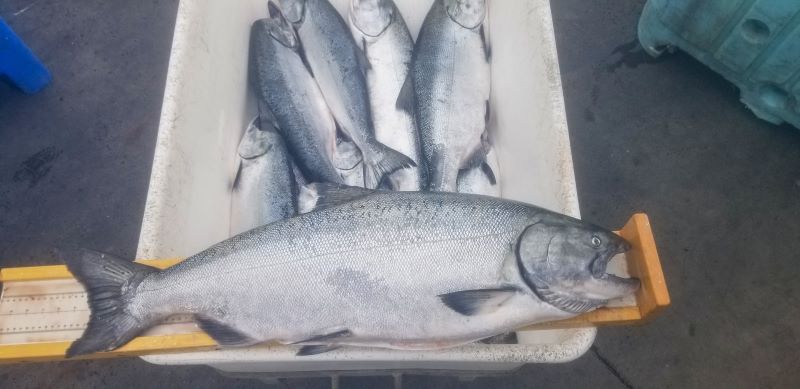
384, 161
108, 282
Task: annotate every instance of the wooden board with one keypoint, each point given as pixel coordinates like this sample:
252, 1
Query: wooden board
43, 309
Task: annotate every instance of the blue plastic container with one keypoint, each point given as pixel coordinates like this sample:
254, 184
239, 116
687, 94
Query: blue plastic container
18, 64
753, 43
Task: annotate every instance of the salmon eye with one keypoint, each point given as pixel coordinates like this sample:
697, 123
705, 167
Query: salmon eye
596, 241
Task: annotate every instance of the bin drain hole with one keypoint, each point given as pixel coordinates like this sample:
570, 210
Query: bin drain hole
774, 96
755, 31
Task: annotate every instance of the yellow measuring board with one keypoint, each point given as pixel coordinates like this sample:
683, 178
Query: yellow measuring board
43, 309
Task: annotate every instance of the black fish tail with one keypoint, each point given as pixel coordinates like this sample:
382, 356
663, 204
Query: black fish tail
108, 282
384, 161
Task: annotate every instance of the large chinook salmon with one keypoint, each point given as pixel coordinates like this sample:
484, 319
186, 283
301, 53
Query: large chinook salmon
402, 270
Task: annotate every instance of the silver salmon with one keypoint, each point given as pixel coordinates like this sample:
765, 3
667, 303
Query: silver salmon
284, 85
451, 79
338, 66
264, 190
402, 270
380, 31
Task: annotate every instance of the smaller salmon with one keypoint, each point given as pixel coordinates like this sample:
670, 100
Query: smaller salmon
338, 67
381, 33
264, 190
283, 83
452, 83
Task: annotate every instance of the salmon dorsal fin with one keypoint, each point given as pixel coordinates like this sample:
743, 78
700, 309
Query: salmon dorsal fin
331, 195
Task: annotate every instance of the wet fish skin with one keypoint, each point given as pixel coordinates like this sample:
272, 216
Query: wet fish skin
264, 190
338, 67
451, 78
284, 85
379, 30
405, 270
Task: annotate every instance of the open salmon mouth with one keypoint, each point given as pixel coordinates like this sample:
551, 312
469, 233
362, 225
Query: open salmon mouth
599, 266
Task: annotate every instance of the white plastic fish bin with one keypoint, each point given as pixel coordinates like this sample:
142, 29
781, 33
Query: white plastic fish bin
208, 104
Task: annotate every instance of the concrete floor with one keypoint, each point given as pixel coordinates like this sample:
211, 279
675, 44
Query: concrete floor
667, 137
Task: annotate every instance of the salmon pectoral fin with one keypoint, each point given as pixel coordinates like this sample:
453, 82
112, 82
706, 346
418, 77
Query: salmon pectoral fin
317, 349
238, 177
487, 170
507, 338
478, 301
487, 48
224, 334
322, 348
405, 100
